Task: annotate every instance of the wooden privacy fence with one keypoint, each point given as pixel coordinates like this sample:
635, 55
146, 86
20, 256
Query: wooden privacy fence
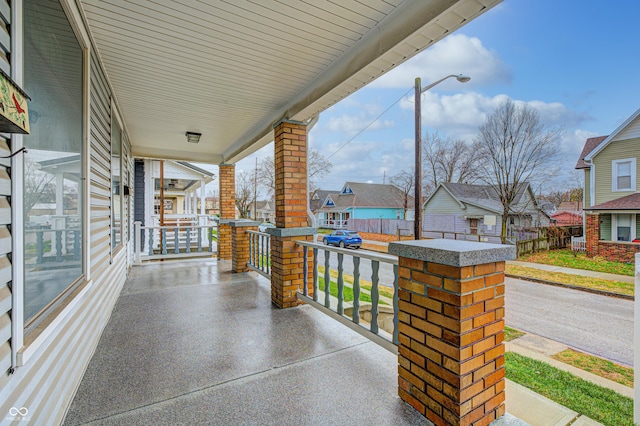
554, 237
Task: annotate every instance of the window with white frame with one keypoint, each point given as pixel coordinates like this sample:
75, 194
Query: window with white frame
53, 183
623, 174
623, 227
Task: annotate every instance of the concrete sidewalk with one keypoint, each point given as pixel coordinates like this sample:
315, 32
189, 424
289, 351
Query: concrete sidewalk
564, 270
538, 410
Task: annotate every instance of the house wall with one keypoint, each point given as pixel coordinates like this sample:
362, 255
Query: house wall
55, 360
605, 226
632, 131
375, 213
616, 150
443, 213
5, 214
587, 188
442, 203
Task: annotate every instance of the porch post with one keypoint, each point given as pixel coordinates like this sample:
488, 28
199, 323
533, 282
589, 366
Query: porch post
227, 189
451, 323
202, 197
290, 158
592, 235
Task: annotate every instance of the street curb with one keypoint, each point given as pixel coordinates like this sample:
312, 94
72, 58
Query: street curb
574, 287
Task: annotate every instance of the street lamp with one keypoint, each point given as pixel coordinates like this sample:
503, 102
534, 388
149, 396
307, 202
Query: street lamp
417, 220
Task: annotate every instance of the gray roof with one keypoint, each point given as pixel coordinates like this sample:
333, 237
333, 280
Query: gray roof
486, 196
367, 195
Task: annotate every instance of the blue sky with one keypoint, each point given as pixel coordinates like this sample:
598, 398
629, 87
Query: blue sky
576, 61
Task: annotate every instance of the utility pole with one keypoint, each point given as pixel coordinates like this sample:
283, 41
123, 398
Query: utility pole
417, 226
255, 192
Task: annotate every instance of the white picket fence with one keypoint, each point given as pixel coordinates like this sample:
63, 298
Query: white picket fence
578, 244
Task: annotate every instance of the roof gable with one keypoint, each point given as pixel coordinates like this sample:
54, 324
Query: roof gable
633, 120
329, 202
486, 196
589, 146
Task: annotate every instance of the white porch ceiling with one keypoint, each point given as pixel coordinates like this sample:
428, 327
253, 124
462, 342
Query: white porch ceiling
230, 70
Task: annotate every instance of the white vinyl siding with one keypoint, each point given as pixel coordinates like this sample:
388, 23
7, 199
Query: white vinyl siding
6, 269
58, 365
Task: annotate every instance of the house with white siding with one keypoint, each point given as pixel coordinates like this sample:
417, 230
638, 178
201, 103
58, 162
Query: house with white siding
474, 212
106, 82
611, 199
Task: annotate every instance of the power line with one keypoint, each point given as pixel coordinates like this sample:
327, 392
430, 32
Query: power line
370, 123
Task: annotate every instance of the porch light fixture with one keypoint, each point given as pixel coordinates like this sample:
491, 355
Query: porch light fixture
419, 90
193, 137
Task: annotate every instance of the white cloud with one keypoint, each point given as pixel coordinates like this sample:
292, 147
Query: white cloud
456, 54
460, 115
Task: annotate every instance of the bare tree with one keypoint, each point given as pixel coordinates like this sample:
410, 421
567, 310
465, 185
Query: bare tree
38, 187
317, 167
405, 181
244, 193
515, 148
448, 160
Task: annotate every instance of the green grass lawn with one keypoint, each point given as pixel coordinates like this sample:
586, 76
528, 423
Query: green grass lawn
576, 280
578, 260
598, 403
596, 365
347, 292
364, 284
512, 333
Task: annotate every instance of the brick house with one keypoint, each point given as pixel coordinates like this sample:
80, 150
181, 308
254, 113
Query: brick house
611, 200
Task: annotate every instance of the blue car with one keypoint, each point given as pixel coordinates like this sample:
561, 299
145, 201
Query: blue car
343, 239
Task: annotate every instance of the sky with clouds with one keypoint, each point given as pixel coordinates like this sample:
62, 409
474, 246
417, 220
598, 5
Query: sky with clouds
575, 61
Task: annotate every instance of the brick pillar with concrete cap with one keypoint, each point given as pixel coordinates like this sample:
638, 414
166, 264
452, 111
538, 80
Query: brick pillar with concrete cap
592, 234
227, 200
240, 244
287, 261
451, 329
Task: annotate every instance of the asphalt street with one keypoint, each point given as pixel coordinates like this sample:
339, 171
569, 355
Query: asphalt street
595, 324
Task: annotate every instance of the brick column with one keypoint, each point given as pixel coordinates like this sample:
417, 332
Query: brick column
290, 158
240, 243
451, 310
227, 193
592, 234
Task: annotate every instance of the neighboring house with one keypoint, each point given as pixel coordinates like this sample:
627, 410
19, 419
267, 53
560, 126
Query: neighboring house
456, 208
184, 191
263, 211
566, 218
568, 213
611, 200
360, 201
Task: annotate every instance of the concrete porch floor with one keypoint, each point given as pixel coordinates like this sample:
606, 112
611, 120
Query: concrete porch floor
191, 343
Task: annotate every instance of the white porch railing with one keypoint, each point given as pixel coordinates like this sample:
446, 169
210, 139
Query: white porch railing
337, 306
334, 224
260, 253
53, 245
578, 244
165, 242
